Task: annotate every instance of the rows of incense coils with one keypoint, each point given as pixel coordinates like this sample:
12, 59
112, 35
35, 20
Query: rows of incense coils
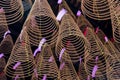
66, 47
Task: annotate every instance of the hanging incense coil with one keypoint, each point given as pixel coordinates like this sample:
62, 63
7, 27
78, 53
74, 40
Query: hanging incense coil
3, 23
27, 4
6, 45
2, 66
103, 69
42, 23
83, 23
95, 9
21, 59
115, 19
65, 6
67, 72
13, 10
97, 49
94, 41
71, 38
45, 66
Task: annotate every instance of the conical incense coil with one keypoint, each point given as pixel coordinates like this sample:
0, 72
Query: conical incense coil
71, 38
65, 6
27, 4
83, 23
47, 65
41, 7
13, 10
42, 23
44, 27
100, 60
97, 50
2, 66
115, 19
6, 45
21, 59
67, 70
3, 23
95, 43
95, 9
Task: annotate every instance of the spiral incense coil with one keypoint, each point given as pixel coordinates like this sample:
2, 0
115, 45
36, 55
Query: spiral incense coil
6, 45
13, 10
83, 23
95, 43
42, 23
47, 65
95, 9
115, 18
21, 59
27, 4
3, 23
97, 49
101, 61
65, 6
67, 72
41, 7
71, 38
2, 66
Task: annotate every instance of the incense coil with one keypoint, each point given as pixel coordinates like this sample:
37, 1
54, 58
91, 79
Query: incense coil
71, 38
83, 23
13, 10
66, 7
68, 70
42, 7
97, 49
95, 43
115, 19
44, 66
2, 66
95, 9
103, 59
3, 23
42, 24
21, 53
6, 45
